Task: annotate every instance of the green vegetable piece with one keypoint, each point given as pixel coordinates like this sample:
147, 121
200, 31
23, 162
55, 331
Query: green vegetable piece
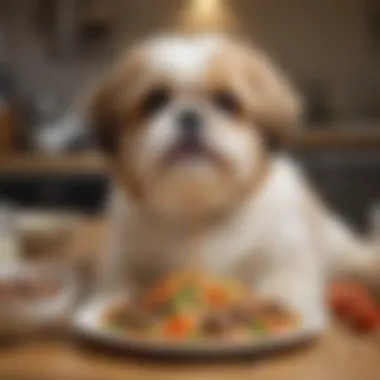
258, 326
115, 325
184, 298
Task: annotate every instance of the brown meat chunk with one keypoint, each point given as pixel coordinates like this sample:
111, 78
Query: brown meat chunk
216, 323
131, 317
246, 311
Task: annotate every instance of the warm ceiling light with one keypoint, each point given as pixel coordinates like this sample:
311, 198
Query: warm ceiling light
206, 6
203, 15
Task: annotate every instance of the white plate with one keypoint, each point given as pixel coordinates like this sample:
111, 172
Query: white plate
87, 323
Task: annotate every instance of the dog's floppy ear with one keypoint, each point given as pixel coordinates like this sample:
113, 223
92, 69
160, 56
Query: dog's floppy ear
103, 115
109, 101
274, 105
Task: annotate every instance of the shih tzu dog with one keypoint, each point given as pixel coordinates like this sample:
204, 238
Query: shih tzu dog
191, 126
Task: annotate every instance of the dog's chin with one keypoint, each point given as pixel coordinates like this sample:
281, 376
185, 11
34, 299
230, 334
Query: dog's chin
191, 186
188, 202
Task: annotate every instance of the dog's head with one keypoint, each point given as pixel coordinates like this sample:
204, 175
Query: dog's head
186, 121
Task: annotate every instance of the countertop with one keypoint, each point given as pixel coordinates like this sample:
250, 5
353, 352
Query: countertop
93, 163
337, 355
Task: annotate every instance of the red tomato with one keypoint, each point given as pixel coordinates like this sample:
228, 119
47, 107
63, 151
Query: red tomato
345, 297
353, 303
364, 317
348, 290
341, 298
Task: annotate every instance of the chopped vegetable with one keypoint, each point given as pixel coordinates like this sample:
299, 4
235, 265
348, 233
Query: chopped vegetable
352, 303
258, 327
216, 297
183, 299
178, 327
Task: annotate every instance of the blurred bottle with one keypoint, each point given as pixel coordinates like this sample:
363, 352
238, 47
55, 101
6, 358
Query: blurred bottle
66, 133
317, 107
9, 240
374, 223
97, 20
10, 136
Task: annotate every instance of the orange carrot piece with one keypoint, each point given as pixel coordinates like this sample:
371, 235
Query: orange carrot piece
178, 326
216, 297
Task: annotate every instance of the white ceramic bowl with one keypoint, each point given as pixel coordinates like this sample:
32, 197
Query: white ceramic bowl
43, 233
19, 314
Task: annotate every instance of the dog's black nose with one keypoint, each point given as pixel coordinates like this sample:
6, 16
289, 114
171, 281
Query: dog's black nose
190, 122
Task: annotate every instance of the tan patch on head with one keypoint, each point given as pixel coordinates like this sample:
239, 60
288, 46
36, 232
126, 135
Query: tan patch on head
266, 97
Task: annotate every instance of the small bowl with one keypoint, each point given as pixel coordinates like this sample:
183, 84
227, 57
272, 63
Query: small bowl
35, 296
44, 233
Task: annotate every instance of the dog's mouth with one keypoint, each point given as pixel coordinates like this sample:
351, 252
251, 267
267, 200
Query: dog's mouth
186, 150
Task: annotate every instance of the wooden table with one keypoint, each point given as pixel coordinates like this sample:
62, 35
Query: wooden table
338, 355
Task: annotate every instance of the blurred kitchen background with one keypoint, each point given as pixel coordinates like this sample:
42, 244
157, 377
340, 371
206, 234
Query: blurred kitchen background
52, 50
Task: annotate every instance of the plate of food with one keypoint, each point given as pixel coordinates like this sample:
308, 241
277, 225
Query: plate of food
189, 314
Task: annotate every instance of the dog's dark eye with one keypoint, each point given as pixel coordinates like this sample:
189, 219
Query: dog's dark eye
226, 101
155, 101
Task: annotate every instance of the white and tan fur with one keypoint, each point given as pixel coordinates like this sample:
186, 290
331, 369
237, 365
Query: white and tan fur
250, 213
